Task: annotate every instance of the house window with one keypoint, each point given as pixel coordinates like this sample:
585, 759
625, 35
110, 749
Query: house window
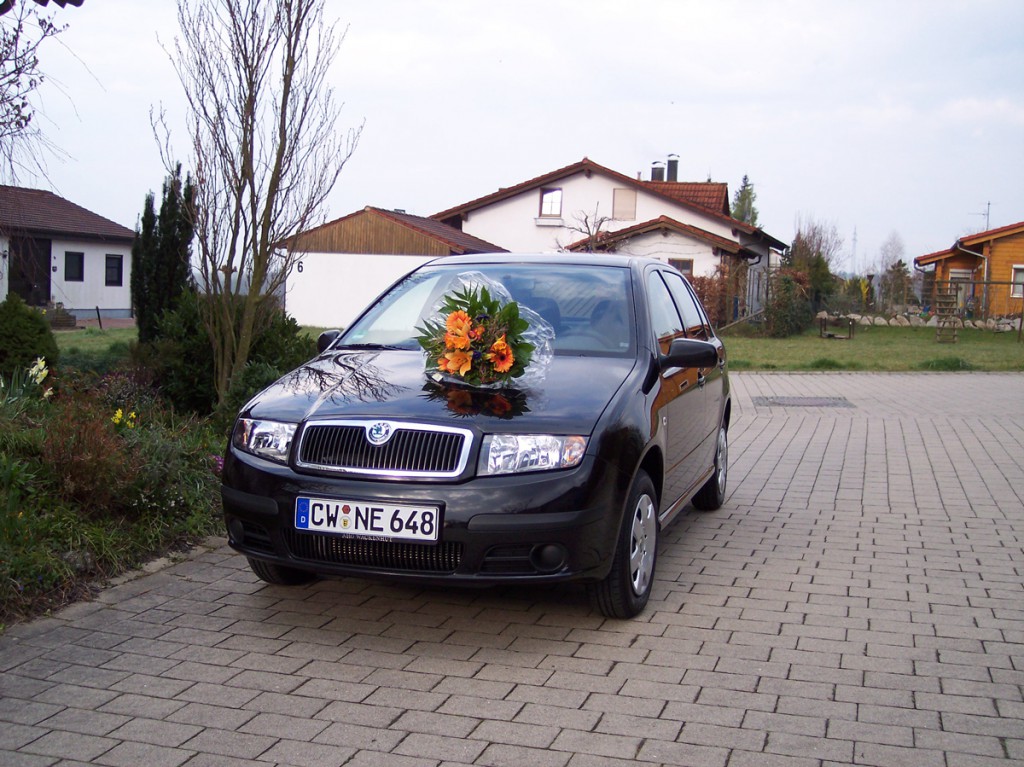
551, 202
74, 266
624, 204
1017, 289
685, 265
114, 271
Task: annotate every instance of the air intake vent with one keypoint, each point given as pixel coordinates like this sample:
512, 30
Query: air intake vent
408, 557
407, 450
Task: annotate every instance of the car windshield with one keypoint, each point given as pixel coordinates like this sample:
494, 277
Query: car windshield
589, 307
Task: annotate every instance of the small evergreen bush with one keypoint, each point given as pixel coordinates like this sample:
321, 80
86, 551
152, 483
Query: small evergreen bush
26, 336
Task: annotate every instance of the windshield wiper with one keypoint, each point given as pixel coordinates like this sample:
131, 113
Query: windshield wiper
367, 346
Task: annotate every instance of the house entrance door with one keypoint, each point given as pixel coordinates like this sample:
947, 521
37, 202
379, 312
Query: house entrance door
30, 270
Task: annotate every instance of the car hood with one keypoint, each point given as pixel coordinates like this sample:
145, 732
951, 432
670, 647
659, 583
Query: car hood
392, 384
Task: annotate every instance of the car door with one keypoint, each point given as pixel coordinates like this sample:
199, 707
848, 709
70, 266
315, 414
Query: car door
710, 380
680, 401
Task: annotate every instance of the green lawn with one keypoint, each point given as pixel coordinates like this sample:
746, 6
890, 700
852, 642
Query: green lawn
871, 348
877, 349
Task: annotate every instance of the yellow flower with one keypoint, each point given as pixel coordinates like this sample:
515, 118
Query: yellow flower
118, 416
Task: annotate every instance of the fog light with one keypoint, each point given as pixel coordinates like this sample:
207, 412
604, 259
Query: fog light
548, 558
236, 531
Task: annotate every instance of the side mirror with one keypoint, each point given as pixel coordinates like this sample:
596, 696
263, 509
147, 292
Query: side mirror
325, 339
689, 353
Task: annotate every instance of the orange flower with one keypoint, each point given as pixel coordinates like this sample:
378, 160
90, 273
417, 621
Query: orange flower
455, 362
458, 326
501, 356
460, 401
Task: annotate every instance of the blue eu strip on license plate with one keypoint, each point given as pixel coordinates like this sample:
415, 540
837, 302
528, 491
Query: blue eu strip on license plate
367, 519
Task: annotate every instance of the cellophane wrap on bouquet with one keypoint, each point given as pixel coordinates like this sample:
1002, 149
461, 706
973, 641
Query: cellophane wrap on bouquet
478, 336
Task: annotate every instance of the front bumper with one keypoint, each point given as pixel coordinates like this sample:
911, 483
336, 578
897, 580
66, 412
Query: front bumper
537, 527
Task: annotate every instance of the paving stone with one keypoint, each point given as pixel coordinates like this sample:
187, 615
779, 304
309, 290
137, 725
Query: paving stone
857, 599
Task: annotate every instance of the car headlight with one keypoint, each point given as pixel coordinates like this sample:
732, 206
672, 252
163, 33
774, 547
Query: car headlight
514, 453
267, 439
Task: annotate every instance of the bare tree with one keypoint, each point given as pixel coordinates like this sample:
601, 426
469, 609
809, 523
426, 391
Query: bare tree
23, 30
262, 123
589, 226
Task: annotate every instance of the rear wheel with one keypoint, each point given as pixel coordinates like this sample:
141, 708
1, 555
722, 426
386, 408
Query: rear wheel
279, 575
712, 495
625, 590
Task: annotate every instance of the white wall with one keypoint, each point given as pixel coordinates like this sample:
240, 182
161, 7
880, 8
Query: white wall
82, 298
674, 245
333, 288
515, 223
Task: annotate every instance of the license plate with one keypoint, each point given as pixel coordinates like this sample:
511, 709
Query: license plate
368, 519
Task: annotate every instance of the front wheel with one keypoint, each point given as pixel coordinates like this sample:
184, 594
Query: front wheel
625, 590
712, 495
279, 575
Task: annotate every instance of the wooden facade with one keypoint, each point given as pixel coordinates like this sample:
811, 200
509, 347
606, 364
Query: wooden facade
383, 232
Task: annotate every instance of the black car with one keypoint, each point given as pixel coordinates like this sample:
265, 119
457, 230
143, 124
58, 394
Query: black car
366, 461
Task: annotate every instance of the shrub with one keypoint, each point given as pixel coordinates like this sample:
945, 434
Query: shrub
26, 336
788, 309
182, 358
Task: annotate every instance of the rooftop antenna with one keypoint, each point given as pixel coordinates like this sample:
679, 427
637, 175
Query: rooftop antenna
986, 214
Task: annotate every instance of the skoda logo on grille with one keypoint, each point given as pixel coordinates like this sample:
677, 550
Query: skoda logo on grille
379, 433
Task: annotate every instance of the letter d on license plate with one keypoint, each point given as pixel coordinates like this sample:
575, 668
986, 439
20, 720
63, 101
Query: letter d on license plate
367, 519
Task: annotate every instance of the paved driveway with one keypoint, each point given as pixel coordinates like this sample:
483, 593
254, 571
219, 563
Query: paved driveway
858, 600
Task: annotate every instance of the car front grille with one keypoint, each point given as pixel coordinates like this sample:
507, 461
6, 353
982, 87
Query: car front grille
413, 450
408, 557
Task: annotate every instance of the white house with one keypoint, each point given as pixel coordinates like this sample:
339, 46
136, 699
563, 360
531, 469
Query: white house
53, 251
586, 206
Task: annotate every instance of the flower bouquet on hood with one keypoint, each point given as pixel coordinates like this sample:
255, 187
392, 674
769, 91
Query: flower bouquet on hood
479, 336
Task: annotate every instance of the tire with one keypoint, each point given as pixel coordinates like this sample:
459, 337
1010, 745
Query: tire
625, 590
712, 495
279, 575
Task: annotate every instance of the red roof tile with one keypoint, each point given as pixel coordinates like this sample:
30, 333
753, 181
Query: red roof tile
41, 213
712, 195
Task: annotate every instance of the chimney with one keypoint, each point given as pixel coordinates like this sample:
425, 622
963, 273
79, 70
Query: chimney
673, 167
657, 171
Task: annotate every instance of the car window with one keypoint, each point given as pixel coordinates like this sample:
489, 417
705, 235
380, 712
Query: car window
590, 308
688, 307
664, 316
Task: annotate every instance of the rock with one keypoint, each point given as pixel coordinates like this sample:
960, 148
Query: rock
81, 561
877, 321
916, 322
990, 324
865, 321
901, 321
822, 315
932, 322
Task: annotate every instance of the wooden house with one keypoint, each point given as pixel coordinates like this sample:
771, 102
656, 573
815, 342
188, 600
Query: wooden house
986, 269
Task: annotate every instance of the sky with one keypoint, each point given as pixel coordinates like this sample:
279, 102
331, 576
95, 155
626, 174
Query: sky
875, 117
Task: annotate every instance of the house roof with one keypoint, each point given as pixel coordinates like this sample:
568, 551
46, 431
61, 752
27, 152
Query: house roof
664, 223
678, 193
713, 195
970, 241
459, 241
44, 214
454, 240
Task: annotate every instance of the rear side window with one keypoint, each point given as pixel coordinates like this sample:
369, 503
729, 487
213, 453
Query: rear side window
693, 317
664, 317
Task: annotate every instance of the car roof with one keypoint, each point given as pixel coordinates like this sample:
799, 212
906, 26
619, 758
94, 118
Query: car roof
581, 259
